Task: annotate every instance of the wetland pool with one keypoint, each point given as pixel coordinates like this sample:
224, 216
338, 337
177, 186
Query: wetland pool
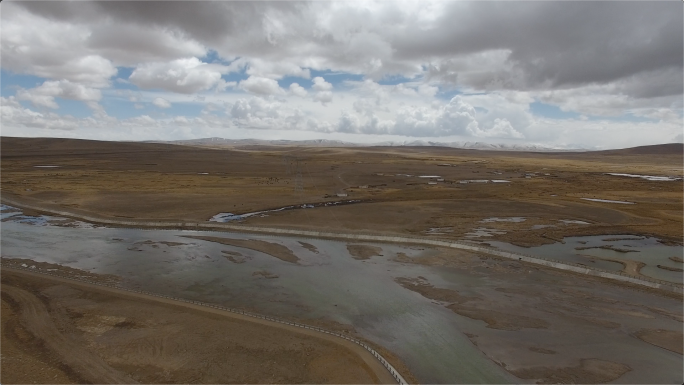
602, 251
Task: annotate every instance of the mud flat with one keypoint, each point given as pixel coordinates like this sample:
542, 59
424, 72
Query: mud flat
666, 339
363, 251
560, 315
273, 249
670, 268
309, 247
589, 371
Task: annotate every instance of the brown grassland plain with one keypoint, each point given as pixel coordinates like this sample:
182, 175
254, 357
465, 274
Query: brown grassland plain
173, 182
148, 181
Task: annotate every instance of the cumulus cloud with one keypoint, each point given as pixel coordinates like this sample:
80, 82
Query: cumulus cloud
44, 95
624, 62
186, 76
296, 89
323, 88
261, 86
161, 103
319, 84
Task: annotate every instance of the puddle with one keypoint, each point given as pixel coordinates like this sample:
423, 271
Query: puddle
573, 222
6, 209
44, 220
439, 230
429, 176
474, 181
509, 219
47, 166
648, 177
607, 201
500, 181
483, 232
229, 217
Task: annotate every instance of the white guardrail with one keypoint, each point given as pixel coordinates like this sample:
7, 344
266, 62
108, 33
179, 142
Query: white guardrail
568, 266
398, 377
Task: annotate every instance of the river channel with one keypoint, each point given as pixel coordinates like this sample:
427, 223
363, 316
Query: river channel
327, 283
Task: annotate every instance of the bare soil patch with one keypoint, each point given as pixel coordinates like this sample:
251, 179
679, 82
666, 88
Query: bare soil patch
499, 320
668, 268
309, 247
477, 308
264, 274
273, 249
234, 256
666, 339
537, 349
363, 251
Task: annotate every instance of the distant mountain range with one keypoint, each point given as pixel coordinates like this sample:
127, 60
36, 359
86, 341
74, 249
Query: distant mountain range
339, 143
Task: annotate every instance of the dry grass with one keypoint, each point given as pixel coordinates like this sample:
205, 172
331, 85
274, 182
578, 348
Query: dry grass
156, 181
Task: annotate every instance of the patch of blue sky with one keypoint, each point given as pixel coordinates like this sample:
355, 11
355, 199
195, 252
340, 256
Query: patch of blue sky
12, 81
121, 108
394, 80
335, 78
123, 73
235, 76
213, 57
75, 108
287, 80
447, 93
552, 112
622, 118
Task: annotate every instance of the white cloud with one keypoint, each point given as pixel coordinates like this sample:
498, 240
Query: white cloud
431, 48
297, 90
324, 97
261, 86
129, 44
161, 103
319, 84
323, 88
274, 69
185, 76
44, 95
50, 49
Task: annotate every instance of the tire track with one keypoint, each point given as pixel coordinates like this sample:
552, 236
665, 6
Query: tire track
37, 320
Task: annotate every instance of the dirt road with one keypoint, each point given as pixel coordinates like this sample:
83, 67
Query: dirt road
37, 320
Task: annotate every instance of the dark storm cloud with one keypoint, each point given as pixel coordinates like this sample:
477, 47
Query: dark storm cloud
551, 44
562, 43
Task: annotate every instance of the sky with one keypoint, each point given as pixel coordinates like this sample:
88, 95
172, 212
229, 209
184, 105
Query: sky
591, 75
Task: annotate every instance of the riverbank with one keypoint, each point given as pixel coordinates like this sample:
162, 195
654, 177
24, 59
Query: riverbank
344, 361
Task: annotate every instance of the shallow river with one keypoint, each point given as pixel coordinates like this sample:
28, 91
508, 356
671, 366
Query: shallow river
326, 284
